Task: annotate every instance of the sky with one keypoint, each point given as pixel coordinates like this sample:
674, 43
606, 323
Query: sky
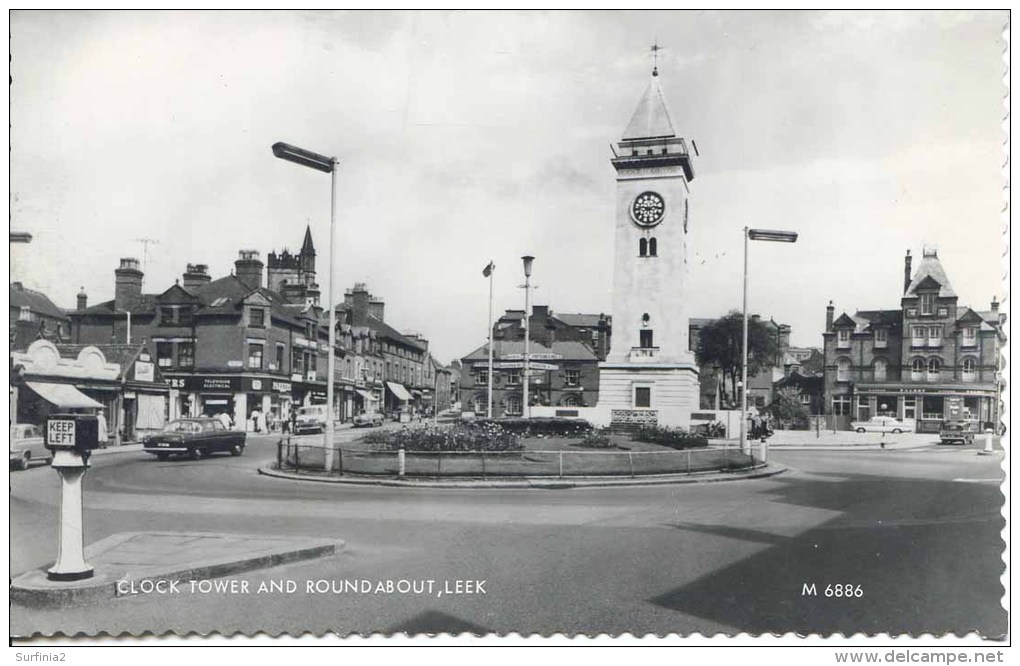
465, 137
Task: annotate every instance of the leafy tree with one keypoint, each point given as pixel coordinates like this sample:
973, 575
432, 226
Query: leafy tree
720, 343
786, 405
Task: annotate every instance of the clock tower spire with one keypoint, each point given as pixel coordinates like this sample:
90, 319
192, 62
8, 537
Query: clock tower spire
650, 376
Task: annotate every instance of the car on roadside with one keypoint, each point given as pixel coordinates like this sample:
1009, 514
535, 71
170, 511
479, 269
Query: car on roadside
368, 420
195, 438
310, 419
956, 432
883, 424
27, 446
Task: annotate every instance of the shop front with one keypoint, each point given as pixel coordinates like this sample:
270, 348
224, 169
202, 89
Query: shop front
239, 396
928, 406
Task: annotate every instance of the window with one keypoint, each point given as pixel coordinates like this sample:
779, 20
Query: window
186, 354
185, 314
257, 318
164, 354
970, 337
910, 407
167, 315
646, 338
843, 337
255, 355
805, 398
643, 247
881, 337
934, 336
281, 353
934, 366
481, 404
917, 367
969, 368
642, 396
653, 247
927, 304
513, 404
572, 378
571, 401
843, 370
880, 369
841, 405
513, 378
481, 376
918, 335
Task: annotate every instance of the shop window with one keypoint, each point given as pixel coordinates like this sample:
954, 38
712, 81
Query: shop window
932, 407
255, 355
841, 405
572, 378
164, 354
186, 354
643, 396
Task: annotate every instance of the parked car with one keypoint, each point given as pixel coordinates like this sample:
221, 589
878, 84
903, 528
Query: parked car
27, 445
956, 431
367, 420
883, 424
310, 419
195, 438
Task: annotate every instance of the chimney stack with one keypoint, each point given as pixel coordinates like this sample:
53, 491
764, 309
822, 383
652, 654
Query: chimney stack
906, 272
248, 268
83, 300
127, 289
357, 301
830, 313
377, 308
196, 275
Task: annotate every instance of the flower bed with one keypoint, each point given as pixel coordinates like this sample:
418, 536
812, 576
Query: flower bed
674, 438
536, 427
459, 437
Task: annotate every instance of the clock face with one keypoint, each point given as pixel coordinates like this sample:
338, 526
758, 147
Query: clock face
647, 209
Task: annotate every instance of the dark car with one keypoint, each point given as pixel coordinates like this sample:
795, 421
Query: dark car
194, 438
956, 431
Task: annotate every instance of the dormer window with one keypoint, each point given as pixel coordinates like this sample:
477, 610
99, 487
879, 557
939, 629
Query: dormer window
843, 337
881, 338
167, 315
257, 318
927, 304
969, 337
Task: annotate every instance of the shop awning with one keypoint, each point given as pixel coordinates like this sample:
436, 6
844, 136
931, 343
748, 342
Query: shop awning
399, 391
64, 395
366, 395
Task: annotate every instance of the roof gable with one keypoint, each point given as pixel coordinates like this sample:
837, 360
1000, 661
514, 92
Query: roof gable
930, 267
177, 294
845, 320
969, 317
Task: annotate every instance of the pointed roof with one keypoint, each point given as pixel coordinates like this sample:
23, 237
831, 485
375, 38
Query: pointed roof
307, 247
930, 275
651, 118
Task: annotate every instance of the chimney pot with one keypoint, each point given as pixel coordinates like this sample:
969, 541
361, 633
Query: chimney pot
906, 271
248, 268
83, 300
127, 284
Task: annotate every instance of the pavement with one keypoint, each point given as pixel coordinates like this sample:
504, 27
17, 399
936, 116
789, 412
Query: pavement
132, 562
842, 439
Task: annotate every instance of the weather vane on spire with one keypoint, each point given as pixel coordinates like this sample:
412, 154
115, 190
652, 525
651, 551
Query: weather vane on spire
655, 57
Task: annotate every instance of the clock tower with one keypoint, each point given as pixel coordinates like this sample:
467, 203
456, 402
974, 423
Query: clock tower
650, 376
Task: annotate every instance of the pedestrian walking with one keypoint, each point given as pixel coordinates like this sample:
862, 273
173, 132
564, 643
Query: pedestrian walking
224, 420
255, 420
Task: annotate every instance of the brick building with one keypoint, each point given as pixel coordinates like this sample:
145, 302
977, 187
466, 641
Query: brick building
930, 360
546, 327
33, 316
564, 374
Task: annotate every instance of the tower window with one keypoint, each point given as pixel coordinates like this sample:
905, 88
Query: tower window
653, 246
642, 396
643, 247
646, 338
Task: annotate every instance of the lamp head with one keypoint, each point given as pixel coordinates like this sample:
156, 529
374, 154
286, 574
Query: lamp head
527, 259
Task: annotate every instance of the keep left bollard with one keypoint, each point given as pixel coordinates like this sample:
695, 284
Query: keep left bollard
988, 450
71, 437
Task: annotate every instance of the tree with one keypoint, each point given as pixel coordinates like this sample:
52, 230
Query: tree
787, 407
720, 344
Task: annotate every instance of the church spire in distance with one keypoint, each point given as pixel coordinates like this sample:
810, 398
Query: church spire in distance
308, 248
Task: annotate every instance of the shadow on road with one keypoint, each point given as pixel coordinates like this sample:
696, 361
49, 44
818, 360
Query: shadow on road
939, 574
436, 622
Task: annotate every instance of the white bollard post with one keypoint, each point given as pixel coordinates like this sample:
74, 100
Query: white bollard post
70, 564
988, 446
401, 461
764, 450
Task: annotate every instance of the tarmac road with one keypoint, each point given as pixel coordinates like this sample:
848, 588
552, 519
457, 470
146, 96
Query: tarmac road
917, 531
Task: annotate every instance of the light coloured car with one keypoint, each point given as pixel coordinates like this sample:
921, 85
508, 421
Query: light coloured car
883, 424
368, 419
27, 445
310, 419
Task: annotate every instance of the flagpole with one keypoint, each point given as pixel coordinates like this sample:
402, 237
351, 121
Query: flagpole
492, 269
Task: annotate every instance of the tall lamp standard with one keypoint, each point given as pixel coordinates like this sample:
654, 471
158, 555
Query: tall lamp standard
756, 235
306, 158
527, 331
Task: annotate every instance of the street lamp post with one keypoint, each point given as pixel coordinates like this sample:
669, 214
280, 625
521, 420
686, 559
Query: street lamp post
328, 165
756, 235
526, 407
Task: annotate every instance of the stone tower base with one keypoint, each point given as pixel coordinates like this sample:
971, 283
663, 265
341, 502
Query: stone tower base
675, 394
